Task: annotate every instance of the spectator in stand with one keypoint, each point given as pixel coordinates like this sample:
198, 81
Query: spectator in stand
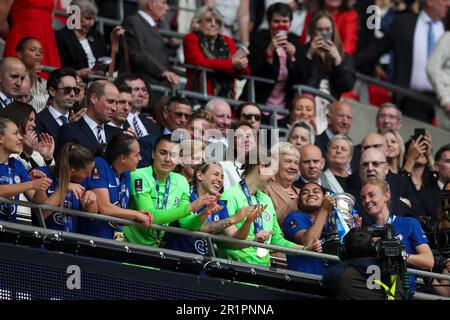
68, 190
177, 113
281, 190
244, 139
29, 18
81, 48
148, 53
25, 91
388, 117
221, 112
345, 19
303, 107
249, 112
201, 122
412, 37
205, 46
340, 118
418, 167
123, 108
32, 185
442, 160
248, 192
63, 91
395, 149
311, 166
37, 148
12, 75
110, 181
92, 131
277, 55
339, 157
438, 70
308, 223
331, 69
301, 133
29, 51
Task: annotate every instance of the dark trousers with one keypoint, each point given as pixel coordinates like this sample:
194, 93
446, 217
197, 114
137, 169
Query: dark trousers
417, 109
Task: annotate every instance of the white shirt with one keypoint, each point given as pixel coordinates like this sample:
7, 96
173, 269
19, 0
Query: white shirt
231, 173
419, 78
440, 185
147, 18
88, 50
130, 119
93, 125
112, 124
56, 114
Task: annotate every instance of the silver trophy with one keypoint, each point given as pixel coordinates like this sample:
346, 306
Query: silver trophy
343, 203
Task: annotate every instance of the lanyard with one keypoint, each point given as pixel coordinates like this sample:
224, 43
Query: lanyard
258, 223
164, 203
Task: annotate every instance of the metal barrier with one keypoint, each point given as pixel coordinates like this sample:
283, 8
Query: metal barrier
210, 238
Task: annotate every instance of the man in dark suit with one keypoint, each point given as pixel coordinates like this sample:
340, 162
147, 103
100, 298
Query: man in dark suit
412, 37
148, 53
373, 166
92, 131
12, 74
63, 90
145, 129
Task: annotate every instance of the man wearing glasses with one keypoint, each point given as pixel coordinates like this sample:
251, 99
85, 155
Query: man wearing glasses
373, 166
177, 113
63, 91
388, 117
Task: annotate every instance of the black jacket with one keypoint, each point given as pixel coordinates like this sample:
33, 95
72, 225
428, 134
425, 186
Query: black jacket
47, 124
71, 52
261, 68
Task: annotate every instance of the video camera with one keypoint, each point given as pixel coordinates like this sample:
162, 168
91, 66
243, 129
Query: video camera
390, 250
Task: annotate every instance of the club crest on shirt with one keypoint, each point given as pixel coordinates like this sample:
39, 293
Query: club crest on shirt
95, 175
292, 224
58, 218
17, 179
175, 201
138, 185
216, 218
266, 216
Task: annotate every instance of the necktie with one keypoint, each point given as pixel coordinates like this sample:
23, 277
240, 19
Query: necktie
64, 120
7, 101
431, 38
136, 127
99, 134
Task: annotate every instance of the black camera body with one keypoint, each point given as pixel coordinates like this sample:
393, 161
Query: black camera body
390, 250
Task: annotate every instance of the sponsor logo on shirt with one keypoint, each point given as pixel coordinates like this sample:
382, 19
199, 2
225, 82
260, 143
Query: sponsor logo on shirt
266, 216
292, 224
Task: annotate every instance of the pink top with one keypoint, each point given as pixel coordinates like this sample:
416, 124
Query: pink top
278, 95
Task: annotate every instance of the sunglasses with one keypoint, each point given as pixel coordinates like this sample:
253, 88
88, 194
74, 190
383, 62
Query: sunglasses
68, 90
249, 116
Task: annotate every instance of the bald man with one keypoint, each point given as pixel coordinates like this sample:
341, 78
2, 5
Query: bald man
12, 74
311, 167
371, 140
340, 118
404, 200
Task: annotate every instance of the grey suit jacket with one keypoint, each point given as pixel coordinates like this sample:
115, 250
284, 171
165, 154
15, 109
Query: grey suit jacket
149, 55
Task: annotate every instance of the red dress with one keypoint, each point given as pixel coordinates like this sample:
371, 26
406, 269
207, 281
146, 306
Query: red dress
33, 18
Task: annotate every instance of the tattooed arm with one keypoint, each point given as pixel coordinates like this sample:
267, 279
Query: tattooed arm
215, 227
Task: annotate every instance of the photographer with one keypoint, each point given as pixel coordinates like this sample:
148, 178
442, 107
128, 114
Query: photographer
349, 280
375, 197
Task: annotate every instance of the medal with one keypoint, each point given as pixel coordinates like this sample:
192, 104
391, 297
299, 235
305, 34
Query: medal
262, 252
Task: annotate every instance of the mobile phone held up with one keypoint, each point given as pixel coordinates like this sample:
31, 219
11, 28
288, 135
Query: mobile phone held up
283, 30
418, 132
327, 35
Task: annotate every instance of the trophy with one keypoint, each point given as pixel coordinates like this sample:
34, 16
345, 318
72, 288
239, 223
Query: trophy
340, 221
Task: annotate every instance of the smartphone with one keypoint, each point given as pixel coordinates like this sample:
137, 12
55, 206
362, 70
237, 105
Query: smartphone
242, 52
327, 35
418, 132
101, 64
283, 30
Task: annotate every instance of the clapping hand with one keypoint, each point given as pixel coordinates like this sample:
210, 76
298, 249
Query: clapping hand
263, 236
46, 146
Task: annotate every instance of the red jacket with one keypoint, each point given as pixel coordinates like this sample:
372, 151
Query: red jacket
193, 55
346, 24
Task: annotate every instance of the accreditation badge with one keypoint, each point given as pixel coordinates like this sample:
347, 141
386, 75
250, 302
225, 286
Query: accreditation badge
262, 252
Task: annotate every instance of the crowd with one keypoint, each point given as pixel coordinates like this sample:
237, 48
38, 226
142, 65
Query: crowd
69, 141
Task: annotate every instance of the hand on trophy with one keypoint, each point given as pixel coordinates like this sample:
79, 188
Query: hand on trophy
358, 221
328, 203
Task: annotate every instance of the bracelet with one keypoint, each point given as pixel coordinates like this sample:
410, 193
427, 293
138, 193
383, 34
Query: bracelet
407, 256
